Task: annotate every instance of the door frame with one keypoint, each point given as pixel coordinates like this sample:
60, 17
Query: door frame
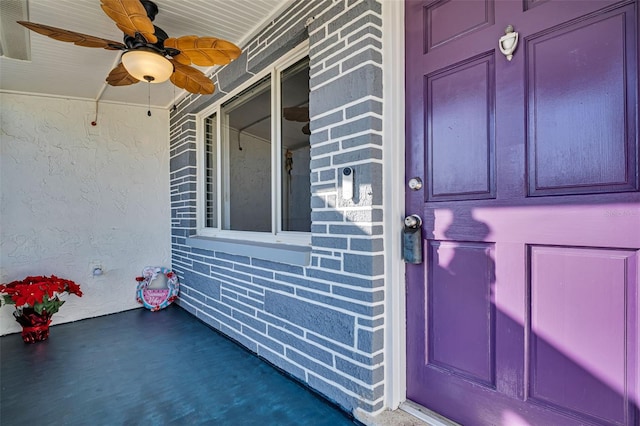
393, 133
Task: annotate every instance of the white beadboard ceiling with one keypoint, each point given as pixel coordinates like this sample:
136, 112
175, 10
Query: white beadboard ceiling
64, 69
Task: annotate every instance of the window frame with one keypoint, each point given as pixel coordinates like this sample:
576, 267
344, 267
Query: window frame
276, 235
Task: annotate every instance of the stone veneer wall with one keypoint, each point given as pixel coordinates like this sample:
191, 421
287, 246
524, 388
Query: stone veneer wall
322, 323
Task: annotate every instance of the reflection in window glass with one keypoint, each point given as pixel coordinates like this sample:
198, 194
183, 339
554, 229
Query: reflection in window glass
211, 179
248, 185
296, 155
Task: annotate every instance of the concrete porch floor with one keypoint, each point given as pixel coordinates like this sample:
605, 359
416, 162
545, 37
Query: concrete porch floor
160, 368
149, 368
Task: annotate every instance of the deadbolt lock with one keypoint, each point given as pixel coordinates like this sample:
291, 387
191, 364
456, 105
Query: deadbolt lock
415, 184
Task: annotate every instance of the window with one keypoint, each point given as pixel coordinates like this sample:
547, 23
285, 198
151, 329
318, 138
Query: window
255, 174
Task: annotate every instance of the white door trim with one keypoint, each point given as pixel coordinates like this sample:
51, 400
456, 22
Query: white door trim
393, 201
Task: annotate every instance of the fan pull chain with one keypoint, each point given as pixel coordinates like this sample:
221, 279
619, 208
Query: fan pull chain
149, 99
174, 99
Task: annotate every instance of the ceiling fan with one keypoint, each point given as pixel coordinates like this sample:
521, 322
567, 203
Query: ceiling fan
299, 114
149, 54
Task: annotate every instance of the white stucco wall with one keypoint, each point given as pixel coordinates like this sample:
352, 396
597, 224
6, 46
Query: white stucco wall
72, 194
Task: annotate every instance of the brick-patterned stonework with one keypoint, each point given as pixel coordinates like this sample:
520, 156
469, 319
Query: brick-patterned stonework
322, 323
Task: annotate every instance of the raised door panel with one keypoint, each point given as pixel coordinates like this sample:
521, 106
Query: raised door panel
581, 128
460, 128
448, 20
461, 311
581, 320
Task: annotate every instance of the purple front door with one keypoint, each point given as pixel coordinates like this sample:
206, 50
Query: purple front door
525, 309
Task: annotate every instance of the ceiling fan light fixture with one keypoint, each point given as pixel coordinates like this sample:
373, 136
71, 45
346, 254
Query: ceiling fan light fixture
147, 66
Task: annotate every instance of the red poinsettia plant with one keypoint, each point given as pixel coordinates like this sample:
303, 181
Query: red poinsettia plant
36, 299
40, 294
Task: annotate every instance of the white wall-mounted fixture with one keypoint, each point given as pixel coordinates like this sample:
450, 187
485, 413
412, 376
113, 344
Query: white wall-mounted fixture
347, 183
96, 269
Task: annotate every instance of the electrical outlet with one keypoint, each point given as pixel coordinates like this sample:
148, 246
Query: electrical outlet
95, 268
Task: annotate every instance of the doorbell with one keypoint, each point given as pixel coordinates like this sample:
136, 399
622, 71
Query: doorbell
347, 183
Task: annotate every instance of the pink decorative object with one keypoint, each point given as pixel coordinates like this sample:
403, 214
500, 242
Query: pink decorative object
155, 299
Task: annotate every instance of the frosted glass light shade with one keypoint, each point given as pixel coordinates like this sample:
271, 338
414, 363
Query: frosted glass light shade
147, 66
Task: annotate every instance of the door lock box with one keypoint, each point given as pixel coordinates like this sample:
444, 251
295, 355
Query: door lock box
412, 240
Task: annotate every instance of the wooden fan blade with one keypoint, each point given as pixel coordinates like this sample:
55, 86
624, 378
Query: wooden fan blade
205, 51
191, 79
120, 77
183, 59
300, 114
131, 17
72, 37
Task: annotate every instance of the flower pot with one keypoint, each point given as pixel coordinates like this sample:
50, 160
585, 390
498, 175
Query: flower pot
36, 333
35, 327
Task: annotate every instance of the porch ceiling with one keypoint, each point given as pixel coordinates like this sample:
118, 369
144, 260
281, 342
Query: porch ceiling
63, 69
